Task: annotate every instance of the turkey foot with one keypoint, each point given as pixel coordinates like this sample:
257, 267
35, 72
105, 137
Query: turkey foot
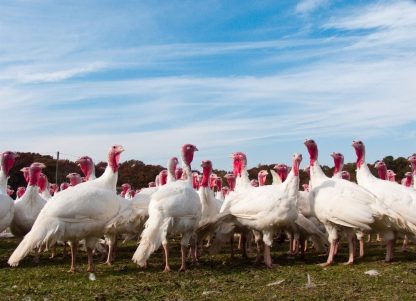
72, 270
326, 264
167, 269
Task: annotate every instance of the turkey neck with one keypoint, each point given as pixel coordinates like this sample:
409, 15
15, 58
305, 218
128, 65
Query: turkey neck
92, 174
291, 184
338, 170
364, 175
337, 175
187, 170
171, 172
317, 174
46, 194
243, 180
206, 173
3, 182
408, 182
108, 179
171, 177
204, 190
31, 193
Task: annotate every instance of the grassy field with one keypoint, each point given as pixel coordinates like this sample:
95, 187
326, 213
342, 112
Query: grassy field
216, 277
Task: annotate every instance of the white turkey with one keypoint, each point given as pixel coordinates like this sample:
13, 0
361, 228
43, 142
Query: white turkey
339, 174
391, 175
7, 160
84, 211
382, 172
195, 180
124, 189
265, 209
262, 177
341, 206
28, 207
20, 192
44, 187
210, 205
407, 180
238, 181
172, 163
307, 225
53, 188
345, 174
63, 186
254, 183
400, 200
74, 179
86, 164
130, 194
133, 213
174, 208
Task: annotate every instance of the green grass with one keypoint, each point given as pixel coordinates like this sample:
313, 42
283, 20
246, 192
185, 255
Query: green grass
216, 277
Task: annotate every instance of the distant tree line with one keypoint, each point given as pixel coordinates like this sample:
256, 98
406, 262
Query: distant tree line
139, 174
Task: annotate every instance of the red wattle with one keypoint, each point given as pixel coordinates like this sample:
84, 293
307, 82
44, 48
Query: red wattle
206, 177
231, 183
296, 168
163, 179
218, 184
33, 177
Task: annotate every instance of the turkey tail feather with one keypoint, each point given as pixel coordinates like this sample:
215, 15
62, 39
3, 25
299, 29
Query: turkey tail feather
151, 238
42, 232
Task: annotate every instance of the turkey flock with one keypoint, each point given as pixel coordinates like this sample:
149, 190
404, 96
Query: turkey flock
89, 213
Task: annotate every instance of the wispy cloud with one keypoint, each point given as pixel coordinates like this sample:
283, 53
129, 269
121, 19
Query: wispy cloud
59, 75
219, 113
379, 15
308, 6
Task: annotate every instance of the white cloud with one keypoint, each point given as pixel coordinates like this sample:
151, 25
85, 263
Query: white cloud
59, 75
380, 15
334, 100
308, 6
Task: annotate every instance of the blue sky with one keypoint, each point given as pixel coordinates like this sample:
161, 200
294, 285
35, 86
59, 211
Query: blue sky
252, 76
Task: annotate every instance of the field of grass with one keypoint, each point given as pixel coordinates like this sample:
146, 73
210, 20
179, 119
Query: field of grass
216, 277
